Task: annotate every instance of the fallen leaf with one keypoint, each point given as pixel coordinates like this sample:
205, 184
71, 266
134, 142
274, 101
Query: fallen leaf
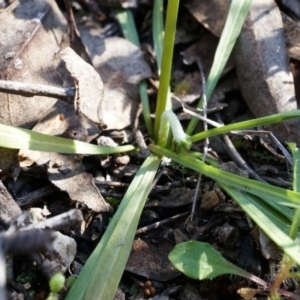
151, 260
178, 197
121, 66
88, 83
66, 171
212, 14
263, 72
32, 31
9, 209
292, 36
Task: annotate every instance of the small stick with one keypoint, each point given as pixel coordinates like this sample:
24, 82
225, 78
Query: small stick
69, 218
160, 223
31, 89
235, 156
206, 142
35, 196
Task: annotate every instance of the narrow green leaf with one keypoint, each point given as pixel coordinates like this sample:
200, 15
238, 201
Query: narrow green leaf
296, 187
279, 195
19, 138
247, 124
236, 16
272, 224
158, 31
201, 261
127, 23
163, 99
101, 274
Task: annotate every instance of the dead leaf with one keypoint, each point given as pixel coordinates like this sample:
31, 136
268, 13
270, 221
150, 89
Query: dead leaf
121, 66
9, 209
247, 293
212, 14
66, 171
264, 76
88, 84
32, 31
151, 260
292, 36
178, 197
66, 248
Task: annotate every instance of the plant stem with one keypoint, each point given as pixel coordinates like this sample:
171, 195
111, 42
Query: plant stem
163, 101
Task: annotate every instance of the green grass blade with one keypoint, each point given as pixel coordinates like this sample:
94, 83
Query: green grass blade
19, 138
236, 16
158, 31
247, 124
269, 221
127, 24
126, 21
163, 99
101, 274
296, 187
279, 195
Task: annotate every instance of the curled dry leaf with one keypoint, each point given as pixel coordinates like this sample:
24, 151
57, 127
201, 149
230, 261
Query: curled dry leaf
121, 66
212, 14
292, 36
88, 83
178, 197
148, 260
66, 171
263, 71
32, 31
66, 248
9, 209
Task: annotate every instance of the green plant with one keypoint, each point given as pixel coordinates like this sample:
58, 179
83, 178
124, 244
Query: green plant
270, 207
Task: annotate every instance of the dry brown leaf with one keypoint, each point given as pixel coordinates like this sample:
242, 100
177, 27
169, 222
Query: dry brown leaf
66, 171
178, 197
261, 61
121, 66
292, 36
31, 33
9, 209
247, 293
151, 260
212, 14
88, 84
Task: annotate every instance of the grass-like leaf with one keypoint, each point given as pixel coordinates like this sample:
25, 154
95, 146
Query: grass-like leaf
127, 23
272, 224
296, 187
279, 196
236, 16
158, 31
101, 274
163, 99
285, 116
19, 138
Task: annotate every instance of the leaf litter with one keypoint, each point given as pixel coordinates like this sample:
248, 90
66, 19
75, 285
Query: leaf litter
106, 101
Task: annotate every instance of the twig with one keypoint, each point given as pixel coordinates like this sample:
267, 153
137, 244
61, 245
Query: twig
235, 156
206, 142
35, 196
68, 219
160, 223
31, 89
